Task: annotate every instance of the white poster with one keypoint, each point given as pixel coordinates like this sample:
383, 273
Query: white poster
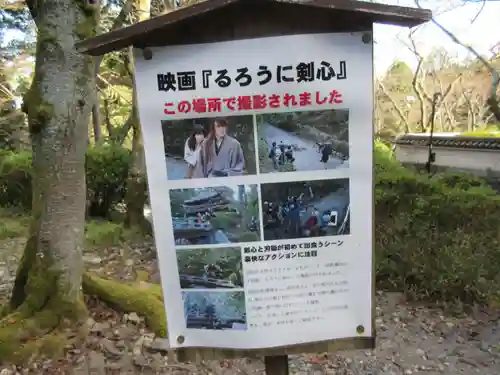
259, 160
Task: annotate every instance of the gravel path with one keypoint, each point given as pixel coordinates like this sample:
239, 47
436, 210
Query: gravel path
411, 339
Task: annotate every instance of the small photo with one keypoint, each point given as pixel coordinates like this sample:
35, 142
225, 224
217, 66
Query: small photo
301, 210
303, 141
217, 310
210, 268
215, 215
209, 147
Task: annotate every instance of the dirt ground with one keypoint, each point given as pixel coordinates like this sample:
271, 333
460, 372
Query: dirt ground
411, 339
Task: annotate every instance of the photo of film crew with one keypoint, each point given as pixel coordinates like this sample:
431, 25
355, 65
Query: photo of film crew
209, 147
303, 141
215, 310
215, 215
301, 210
210, 268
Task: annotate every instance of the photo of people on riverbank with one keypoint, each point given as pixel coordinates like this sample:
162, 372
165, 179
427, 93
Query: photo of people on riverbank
209, 147
210, 268
303, 141
215, 215
216, 310
300, 210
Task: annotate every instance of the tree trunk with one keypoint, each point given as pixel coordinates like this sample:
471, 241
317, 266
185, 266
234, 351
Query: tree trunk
96, 103
136, 181
243, 207
96, 118
48, 281
107, 120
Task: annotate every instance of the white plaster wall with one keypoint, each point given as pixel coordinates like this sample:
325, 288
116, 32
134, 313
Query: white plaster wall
464, 159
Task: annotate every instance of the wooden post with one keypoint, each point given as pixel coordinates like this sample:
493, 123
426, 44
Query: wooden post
276, 365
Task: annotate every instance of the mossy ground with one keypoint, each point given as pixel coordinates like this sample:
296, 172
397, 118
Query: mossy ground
13, 224
25, 335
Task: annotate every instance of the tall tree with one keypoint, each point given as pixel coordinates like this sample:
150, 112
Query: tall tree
47, 289
136, 181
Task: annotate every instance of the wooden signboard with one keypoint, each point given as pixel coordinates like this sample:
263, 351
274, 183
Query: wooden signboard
257, 125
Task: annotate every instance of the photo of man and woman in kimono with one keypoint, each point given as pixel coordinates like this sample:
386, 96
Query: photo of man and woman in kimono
211, 147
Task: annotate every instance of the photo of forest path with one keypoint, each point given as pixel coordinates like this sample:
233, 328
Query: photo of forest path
303, 141
210, 268
215, 215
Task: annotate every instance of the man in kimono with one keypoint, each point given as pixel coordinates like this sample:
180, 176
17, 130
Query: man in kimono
221, 155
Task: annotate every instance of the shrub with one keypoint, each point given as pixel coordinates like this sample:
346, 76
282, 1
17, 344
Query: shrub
461, 180
15, 179
485, 131
107, 169
223, 220
13, 224
104, 233
436, 238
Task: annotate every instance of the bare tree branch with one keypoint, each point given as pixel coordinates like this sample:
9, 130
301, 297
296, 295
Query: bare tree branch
6, 91
481, 8
495, 78
118, 22
396, 107
107, 120
417, 87
110, 87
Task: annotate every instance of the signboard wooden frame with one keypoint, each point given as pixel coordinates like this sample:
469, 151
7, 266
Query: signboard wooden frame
223, 20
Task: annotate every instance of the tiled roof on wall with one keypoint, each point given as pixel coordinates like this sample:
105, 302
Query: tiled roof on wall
439, 140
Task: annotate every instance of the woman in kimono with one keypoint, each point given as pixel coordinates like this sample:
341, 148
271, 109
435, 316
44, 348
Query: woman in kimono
221, 155
192, 148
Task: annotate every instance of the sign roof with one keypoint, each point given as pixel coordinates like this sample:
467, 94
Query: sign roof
140, 34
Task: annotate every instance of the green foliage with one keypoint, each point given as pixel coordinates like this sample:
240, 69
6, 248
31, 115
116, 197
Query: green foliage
193, 262
400, 68
399, 77
15, 179
104, 233
318, 126
436, 238
463, 181
13, 224
492, 131
107, 170
224, 220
